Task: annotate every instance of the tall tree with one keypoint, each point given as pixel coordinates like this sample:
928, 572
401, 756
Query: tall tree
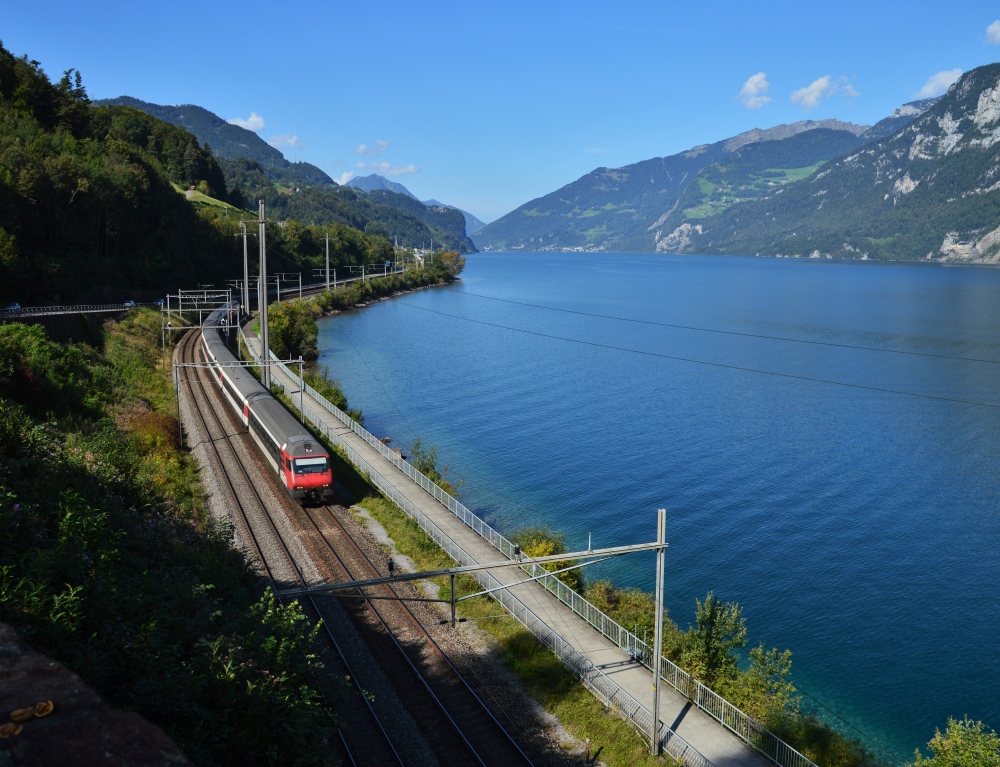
710, 648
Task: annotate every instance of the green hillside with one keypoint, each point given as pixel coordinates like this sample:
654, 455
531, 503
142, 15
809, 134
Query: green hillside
87, 206
928, 191
608, 209
757, 170
228, 141
255, 170
92, 209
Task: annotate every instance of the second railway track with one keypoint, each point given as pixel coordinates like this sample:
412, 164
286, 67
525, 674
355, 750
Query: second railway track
297, 547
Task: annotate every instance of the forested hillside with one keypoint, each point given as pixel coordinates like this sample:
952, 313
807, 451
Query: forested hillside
255, 170
928, 191
228, 141
91, 203
87, 206
757, 170
638, 207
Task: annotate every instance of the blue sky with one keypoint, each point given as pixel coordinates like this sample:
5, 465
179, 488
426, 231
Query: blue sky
488, 105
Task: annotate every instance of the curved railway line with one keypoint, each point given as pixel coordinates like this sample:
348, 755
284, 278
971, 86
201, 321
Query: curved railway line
298, 547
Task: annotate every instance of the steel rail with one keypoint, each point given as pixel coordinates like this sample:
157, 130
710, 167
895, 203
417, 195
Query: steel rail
426, 638
192, 339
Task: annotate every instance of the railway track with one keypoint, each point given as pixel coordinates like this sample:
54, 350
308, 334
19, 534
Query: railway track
484, 736
260, 532
298, 547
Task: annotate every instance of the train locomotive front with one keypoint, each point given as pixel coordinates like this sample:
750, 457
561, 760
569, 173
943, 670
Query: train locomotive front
299, 459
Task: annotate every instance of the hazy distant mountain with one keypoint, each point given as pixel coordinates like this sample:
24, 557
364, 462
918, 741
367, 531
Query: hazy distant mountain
472, 224
625, 209
228, 141
930, 190
253, 168
375, 181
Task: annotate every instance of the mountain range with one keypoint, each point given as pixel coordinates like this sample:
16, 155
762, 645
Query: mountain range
922, 183
930, 190
375, 182
254, 170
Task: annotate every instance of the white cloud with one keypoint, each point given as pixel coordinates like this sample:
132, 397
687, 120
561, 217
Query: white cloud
753, 94
372, 151
810, 96
286, 141
993, 33
594, 150
387, 168
254, 122
849, 91
344, 177
939, 83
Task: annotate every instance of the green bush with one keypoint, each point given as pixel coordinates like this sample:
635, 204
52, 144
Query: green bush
118, 575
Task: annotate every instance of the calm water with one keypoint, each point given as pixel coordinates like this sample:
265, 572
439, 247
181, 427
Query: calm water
857, 526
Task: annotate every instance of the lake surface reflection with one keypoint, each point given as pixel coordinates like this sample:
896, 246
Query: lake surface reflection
856, 524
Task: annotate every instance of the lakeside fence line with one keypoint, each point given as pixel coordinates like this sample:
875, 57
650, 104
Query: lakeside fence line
747, 729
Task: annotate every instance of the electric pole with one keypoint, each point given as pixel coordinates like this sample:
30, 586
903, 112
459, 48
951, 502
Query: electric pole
661, 538
246, 272
327, 262
265, 349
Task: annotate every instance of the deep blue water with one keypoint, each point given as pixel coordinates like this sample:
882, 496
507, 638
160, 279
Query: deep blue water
858, 526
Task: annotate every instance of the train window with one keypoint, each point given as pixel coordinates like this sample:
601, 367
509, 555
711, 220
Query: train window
310, 465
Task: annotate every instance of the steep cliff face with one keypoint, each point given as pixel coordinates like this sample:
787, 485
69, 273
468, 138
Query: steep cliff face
930, 190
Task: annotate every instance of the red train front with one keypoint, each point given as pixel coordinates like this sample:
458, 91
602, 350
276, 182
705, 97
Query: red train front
305, 469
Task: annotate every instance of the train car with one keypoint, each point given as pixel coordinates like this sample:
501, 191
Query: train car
299, 459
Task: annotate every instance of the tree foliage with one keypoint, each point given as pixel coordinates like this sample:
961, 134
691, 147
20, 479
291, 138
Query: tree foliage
709, 651
965, 743
544, 542
86, 197
425, 461
107, 564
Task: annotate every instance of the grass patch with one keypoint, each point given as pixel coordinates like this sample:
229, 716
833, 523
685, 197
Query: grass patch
796, 174
544, 676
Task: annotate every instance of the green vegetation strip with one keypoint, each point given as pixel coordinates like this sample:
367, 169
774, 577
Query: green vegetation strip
544, 676
109, 564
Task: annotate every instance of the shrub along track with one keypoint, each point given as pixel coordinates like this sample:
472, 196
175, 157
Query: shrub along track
296, 547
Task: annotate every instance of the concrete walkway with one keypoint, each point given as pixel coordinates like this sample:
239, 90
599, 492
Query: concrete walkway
700, 730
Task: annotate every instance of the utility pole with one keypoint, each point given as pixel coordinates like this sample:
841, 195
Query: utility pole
327, 262
661, 538
265, 349
245, 294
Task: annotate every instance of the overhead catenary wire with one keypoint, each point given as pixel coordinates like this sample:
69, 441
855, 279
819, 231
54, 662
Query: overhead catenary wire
722, 365
860, 733
743, 334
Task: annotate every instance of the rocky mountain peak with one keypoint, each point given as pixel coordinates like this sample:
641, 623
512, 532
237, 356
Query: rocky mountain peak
787, 130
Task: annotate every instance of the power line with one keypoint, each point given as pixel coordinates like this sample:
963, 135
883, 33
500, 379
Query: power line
732, 332
722, 365
413, 431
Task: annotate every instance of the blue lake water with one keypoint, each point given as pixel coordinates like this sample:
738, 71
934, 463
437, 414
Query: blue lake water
856, 524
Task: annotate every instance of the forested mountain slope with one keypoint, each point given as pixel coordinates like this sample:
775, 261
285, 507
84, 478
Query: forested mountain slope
928, 191
228, 141
619, 209
255, 170
87, 206
754, 171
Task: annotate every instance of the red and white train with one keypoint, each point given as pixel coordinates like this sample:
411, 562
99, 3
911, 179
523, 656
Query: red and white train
300, 460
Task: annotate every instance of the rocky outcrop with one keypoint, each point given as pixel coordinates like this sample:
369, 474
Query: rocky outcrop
678, 239
81, 730
984, 249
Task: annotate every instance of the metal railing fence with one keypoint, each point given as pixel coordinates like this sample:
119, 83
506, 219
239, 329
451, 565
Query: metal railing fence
747, 729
